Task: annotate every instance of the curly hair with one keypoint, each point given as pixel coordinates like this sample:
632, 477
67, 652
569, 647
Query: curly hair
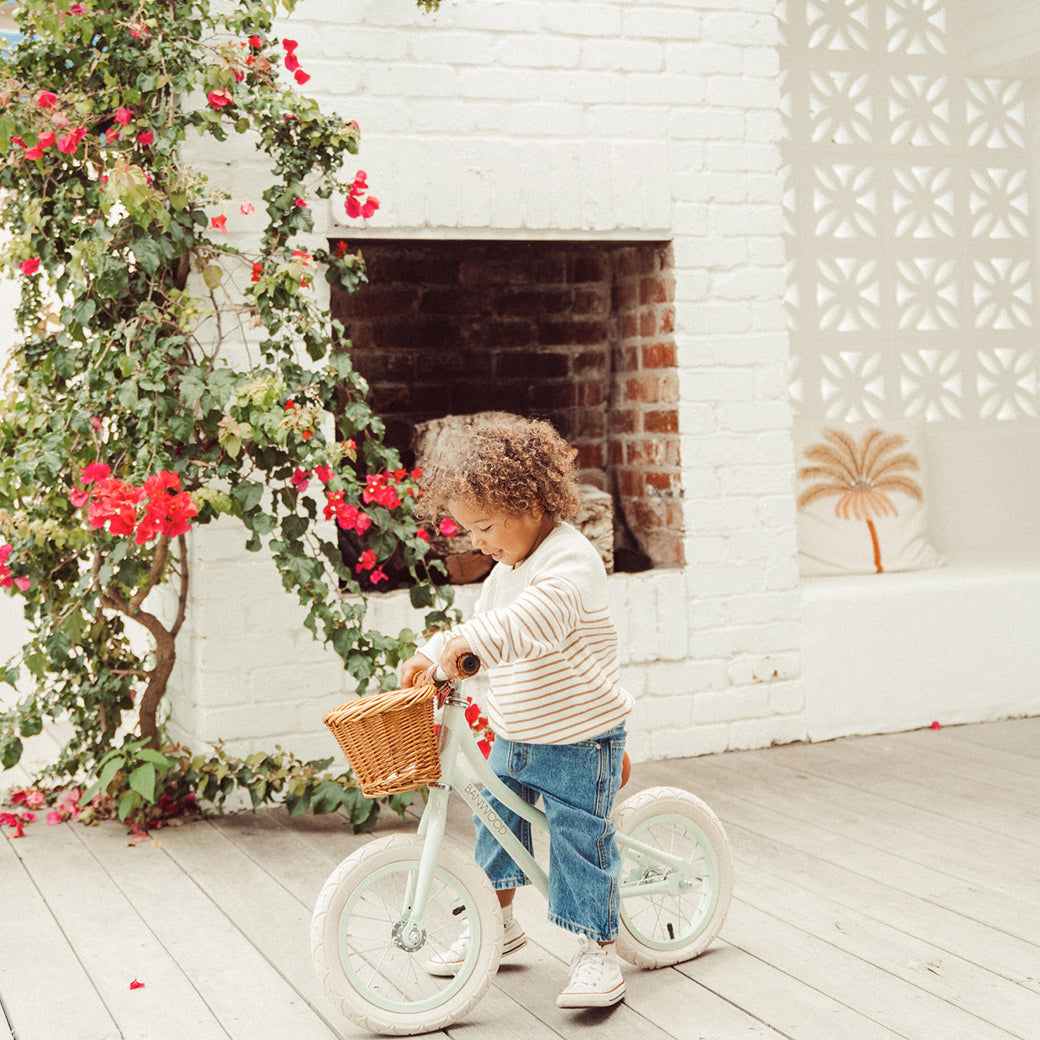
509, 464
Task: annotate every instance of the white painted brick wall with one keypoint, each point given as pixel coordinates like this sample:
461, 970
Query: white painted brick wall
599, 119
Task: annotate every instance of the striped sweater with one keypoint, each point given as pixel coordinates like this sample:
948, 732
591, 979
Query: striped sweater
543, 630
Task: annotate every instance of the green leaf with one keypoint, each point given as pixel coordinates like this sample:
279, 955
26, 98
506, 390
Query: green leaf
156, 758
142, 780
147, 253
126, 804
10, 750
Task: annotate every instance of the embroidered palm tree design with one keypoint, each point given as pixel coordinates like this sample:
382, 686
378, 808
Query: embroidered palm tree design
861, 474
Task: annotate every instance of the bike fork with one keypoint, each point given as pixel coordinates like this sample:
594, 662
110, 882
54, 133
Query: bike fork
410, 932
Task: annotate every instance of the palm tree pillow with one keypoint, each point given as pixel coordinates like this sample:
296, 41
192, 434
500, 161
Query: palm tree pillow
861, 498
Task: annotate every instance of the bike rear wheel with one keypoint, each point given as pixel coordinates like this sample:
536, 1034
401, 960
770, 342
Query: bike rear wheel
666, 927
371, 969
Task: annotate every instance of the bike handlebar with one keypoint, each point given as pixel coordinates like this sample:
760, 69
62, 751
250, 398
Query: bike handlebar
467, 664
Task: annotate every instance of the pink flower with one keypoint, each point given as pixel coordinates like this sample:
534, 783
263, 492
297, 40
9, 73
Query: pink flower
78, 497
323, 473
47, 139
77, 9
47, 99
36, 152
146, 138
220, 97
292, 63
70, 143
299, 479
366, 561
448, 527
301, 77
136, 985
54, 817
423, 535
255, 41
123, 116
377, 576
290, 45
31, 266
300, 204
96, 471
35, 799
246, 209
219, 223
23, 584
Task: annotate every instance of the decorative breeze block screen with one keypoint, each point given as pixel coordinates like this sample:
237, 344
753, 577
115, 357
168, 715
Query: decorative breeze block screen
911, 260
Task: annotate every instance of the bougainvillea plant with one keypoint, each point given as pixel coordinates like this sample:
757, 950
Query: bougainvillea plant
164, 377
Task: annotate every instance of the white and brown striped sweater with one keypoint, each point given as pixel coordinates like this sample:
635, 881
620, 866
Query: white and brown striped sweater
544, 632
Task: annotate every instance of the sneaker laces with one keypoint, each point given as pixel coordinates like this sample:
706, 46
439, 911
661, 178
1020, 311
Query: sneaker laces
588, 963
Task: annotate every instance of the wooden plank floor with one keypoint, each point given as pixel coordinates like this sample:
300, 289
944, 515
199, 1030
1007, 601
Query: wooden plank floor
886, 887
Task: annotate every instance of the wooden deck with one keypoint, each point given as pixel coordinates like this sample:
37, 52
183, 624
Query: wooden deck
886, 887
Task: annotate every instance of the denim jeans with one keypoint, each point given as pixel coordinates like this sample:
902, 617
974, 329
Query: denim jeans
578, 784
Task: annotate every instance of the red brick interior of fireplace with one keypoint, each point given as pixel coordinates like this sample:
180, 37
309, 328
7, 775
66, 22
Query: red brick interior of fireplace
579, 333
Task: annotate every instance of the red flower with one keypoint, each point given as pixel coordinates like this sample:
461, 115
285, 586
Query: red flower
220, 97
323, 473
47, 139
423, 535
299, 479
377, 576
255, 41
70, 143
366, 561
123, 116
31, 266
219, 223
95, 471
36, 152
448, 527
136, 985
47, 99
292, 63
301, 77
146, 138
290, 45
258, 270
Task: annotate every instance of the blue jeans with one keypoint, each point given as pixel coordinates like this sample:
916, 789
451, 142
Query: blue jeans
578, 784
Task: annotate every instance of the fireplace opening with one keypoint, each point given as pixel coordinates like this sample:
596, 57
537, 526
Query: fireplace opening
578, 333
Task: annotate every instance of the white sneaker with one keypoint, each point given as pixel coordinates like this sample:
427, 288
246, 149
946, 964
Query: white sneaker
449, 962
596, 979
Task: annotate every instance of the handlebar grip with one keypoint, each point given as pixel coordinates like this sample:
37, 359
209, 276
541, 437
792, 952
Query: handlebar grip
467, 664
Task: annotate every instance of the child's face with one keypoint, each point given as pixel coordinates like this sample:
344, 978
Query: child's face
506, 539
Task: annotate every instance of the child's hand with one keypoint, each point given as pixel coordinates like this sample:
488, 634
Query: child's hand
453, 650
413, 670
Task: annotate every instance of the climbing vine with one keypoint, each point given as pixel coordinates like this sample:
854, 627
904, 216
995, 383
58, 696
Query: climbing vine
164, 377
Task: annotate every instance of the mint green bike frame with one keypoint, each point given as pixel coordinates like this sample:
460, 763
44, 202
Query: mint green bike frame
456, 740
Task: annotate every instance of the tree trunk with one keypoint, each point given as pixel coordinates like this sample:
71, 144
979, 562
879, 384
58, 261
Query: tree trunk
876, 544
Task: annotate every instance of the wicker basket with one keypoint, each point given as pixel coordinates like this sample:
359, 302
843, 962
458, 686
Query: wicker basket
389, 739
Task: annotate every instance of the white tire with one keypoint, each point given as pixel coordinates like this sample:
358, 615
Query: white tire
376, 977
664, 928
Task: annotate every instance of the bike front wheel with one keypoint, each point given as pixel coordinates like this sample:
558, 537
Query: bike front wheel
373, 968
671, 912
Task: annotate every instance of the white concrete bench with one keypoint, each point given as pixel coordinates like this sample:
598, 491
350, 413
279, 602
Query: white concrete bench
958, 643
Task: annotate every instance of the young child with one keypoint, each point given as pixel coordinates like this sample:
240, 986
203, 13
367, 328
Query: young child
543, 631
